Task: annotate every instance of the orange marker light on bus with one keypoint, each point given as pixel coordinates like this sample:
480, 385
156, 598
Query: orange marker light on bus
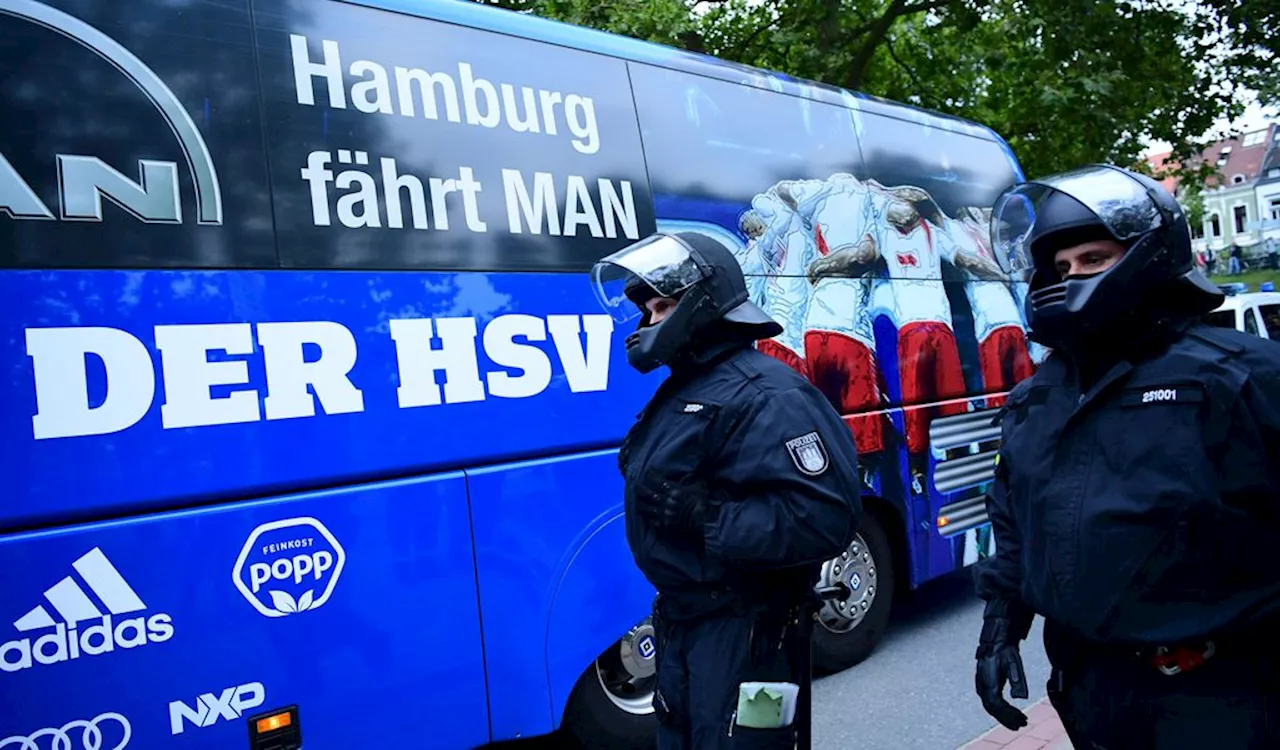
277, 729
272, 723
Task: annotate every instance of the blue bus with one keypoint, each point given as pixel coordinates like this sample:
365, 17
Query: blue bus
310, 418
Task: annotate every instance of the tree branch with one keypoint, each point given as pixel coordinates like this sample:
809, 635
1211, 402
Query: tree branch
828, 26
692, 41
876, 32
740, 50
927, 97
924, 7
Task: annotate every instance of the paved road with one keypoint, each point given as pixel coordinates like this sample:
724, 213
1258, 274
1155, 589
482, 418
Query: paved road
916, 691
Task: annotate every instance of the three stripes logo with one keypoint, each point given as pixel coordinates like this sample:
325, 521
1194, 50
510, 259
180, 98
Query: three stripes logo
102, 598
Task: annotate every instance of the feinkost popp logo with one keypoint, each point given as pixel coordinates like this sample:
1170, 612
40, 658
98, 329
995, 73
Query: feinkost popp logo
289, 566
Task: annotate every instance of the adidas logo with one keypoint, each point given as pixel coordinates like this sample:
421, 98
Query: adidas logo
73, 607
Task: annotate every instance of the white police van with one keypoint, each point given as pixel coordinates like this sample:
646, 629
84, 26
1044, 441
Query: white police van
1257, 313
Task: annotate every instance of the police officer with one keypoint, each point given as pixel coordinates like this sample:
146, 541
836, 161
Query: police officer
1136, 503
740, 481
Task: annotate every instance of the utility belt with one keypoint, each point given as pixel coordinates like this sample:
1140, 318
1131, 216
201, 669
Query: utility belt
1177, 658
1257, 642
777, 620
688, 608
774, 591
1188, 655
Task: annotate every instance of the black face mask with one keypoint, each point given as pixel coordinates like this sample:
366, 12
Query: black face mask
637, 355
652, 345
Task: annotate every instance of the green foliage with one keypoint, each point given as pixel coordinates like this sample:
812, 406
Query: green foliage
1066, 82
1192, 199
1251, 30
670, 22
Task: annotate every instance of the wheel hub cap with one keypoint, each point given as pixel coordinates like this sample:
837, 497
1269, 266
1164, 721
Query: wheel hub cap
855, 568
627, 672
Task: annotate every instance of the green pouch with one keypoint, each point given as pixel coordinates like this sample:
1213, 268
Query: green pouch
759, 707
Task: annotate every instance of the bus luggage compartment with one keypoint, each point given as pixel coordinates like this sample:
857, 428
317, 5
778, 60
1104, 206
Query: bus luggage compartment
356, 605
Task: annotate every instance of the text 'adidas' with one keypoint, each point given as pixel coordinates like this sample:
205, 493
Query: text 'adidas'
84, 628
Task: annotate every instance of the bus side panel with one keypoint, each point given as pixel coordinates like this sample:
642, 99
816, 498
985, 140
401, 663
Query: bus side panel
557, 582
602, 595
359, 605
525, 367
468, 160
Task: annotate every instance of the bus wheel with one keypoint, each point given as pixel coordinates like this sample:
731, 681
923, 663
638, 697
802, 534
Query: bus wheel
612, 704
849, 627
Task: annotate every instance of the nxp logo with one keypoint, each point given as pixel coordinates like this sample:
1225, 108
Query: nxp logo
289, 566
230, 704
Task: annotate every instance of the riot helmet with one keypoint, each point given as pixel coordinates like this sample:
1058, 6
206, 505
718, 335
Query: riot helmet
695, 270
1032, 221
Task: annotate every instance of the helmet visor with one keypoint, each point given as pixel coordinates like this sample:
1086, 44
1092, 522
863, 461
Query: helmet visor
661, 261
1122, 204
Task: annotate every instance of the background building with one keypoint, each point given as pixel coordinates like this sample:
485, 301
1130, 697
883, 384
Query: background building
1242, 196
1267, 192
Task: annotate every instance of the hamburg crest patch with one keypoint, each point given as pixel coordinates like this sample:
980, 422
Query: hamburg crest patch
809, 454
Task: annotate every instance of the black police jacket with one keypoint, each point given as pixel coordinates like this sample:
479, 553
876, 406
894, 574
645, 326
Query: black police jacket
1145, 509
767, 443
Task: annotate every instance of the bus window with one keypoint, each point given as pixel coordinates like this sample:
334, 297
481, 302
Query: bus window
109, 172
527, 159
728, 142
955, 170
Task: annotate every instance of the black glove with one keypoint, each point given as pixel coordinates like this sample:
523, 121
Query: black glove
683, 507
1004, 625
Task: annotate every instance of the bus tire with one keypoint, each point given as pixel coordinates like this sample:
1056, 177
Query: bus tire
849, 628
600, 718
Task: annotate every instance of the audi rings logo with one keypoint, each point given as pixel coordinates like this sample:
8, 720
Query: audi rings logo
108, 731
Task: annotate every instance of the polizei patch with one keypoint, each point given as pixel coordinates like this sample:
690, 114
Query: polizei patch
809, 454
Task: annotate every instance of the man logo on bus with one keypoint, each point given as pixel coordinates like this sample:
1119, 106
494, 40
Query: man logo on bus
83, 181
289, 566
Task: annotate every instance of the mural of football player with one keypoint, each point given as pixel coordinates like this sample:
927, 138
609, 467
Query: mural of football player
753, 227
839, 337
783, 254
912, 248
997, 320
